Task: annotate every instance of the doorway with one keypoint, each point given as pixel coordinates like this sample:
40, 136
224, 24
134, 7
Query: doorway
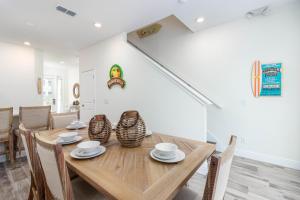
53, 93
87, 95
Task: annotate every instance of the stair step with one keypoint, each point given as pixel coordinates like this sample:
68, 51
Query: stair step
210, 142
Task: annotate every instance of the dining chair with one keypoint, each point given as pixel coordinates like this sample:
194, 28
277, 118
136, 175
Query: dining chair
6, 134
217, 177
37, 186
57, 175
61, 120
35, 118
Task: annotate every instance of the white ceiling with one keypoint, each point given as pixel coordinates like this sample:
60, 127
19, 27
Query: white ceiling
37, 21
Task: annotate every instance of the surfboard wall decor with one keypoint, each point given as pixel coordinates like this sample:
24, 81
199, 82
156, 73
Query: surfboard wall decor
256, 78
266, 79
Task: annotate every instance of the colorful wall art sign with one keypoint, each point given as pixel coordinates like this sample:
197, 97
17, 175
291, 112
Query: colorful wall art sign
266, 79
116, 76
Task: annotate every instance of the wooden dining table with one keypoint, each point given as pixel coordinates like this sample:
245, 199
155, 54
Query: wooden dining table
130, 173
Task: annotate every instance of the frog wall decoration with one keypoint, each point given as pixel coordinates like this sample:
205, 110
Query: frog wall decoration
116, 77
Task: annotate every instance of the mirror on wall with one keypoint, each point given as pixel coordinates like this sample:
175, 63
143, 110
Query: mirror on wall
76, 90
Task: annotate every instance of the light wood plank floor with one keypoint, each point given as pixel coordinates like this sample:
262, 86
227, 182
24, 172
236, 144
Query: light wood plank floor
249, 180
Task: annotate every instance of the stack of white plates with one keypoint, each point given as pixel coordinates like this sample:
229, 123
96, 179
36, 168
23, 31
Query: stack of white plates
76, 125
88, 149
68, 138
148, 132
167, 153
114, 125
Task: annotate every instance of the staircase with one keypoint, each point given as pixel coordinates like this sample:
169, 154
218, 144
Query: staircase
194, 92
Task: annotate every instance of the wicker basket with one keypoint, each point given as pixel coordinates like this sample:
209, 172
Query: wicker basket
131, 129
99, 128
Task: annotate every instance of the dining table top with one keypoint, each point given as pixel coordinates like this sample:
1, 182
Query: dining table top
130, 173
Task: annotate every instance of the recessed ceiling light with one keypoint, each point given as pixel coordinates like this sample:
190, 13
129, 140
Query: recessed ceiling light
98, 25
62, 62
27, 43
200, 19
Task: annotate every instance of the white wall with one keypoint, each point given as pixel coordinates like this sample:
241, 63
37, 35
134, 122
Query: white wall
19, 69
164, 106
218, 62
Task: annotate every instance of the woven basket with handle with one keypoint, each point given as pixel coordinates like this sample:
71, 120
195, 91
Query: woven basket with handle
131, 129
99, 128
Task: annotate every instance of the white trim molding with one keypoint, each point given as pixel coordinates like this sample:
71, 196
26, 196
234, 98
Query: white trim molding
276, 160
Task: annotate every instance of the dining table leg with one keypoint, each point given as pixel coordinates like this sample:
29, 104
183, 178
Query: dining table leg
11, 148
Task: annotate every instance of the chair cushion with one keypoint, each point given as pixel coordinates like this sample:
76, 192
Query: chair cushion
187, 194
4, 137
82, 190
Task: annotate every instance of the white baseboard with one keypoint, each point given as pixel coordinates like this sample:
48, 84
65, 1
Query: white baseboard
294, 164
284, 162
276, 160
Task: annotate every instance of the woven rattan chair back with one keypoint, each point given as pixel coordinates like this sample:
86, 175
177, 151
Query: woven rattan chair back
6, 118
35, 118
62, 120
6, 135
218, 173
55, 170
37, 187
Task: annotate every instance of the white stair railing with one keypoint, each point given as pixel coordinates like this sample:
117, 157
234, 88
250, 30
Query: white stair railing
203, 99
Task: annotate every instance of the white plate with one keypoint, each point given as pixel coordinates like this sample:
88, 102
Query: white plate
162, 157
73, 153
71, 127
68, 136
76, 139
148, 133
89, 145
82, 153
180, 155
